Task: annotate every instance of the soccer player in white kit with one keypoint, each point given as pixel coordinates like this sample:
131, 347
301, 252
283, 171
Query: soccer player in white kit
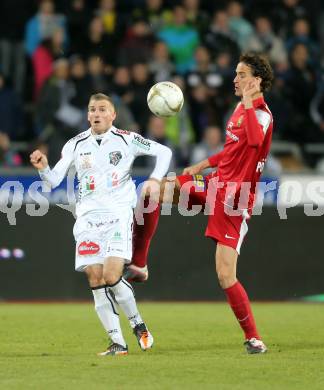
102, 157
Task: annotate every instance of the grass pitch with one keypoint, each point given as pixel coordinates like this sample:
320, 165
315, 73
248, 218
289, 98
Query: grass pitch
197, 346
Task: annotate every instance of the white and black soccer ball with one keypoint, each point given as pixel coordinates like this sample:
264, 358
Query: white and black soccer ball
165, 99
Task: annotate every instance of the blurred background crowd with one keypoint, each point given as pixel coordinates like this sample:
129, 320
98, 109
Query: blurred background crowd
55, 54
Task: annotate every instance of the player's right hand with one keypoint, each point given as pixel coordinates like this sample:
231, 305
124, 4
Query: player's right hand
38, 159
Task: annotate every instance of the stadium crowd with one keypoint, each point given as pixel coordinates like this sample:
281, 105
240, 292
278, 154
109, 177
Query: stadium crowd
55, 54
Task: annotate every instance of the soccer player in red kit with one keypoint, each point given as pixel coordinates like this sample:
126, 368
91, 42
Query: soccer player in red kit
227, 194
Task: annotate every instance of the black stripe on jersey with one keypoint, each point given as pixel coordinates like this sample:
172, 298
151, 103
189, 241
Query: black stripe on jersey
119, 135
80, 140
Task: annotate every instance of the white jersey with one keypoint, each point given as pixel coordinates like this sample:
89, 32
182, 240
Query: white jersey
103, 171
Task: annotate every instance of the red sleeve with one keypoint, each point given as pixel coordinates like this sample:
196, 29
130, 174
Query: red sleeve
254, 130
215, 159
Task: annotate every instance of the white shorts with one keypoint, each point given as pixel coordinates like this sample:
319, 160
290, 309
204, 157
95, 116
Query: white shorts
99, 236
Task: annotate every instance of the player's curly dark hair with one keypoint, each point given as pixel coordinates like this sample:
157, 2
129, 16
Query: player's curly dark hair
260, 67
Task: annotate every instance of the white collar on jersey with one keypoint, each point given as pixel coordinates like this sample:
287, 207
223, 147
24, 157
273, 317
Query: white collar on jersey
103, 135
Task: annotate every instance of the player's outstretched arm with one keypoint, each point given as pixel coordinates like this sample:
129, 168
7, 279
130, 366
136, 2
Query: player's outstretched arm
56, 175
197, 168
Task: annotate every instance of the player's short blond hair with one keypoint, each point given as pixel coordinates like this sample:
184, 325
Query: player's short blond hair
102, 96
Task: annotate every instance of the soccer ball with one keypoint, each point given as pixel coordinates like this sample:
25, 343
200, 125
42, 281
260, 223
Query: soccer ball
165, 99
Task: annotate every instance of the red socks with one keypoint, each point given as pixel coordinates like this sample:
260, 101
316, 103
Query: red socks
143, 234
240, 304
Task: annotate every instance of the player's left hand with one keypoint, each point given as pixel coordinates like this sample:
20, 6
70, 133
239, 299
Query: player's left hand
151, 188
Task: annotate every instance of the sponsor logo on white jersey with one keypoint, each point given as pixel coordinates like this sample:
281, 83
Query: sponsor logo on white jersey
88, 248
115, 157
141, 142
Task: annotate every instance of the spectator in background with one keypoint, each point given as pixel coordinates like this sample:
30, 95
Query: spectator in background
317, 108
110, 17
97, 43
11, 111
42, 26
142, 82
285, 14
265, 41
97, 79
156, 131
299, 88
160, 65
8, 157
78, 73
222, 98
125, 119
219, 37
181, 40
208, 85
154, 13
202, 112
57, 119
240, 27
113, 23
281, 107
196, 17
301, 34
137, 44
204, 71
77, 15
13, 17
210, 144
43, 57
321, 37
224, 66
122, 84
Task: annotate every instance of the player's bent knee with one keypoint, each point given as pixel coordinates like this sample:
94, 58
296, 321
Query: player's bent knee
95, 282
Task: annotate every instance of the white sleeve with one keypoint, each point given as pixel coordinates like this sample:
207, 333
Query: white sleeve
142, 146
264, 119
56, 175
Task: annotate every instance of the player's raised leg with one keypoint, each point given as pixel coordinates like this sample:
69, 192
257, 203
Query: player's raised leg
143, 233
123, 294
106, 310
226, 261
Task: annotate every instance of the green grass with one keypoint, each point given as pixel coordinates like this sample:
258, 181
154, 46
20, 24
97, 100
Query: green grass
197, 346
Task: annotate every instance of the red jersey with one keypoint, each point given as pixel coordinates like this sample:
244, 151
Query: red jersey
247, 145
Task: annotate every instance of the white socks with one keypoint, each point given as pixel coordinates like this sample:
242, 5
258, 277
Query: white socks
108, 314
124, 295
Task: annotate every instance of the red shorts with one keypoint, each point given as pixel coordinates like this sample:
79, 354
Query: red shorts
225, 225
